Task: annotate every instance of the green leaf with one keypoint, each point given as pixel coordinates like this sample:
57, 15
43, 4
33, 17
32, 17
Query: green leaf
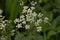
11, 9
50, 33
28, 36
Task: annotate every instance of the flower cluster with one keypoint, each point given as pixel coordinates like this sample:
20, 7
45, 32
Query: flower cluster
21, 2
2, 22
29, 17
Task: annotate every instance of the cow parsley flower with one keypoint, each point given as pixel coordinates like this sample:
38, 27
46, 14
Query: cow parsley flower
19, 26
27, 26
21, 3
29, 11
39, 29
24, 11
25, 7
34, 14
24, 22
2, 22
32, 8
16, 20
46, 19
30, 17
33, 3
40, 15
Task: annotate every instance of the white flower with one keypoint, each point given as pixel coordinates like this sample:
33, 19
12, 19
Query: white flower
39, 21
36, 24
22, 3
22, 19
2, 25
6, 20
33, 3
25, 7
27, 19
46, 19
39, 29
40, 15
19, 26
34, 14
1, 11
29, 11
32, 20
24, 22
16, 20
27, 26
24, 11
32, 8
22, 16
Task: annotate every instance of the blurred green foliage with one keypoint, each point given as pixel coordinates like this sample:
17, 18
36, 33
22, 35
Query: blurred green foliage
51, 8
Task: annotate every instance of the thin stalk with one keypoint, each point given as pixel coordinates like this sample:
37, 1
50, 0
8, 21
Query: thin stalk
45, 36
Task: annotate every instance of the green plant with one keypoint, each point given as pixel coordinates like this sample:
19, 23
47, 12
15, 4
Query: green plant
30, 20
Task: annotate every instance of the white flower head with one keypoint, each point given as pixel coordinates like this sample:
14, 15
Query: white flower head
16, 20
29, 11
25, 7
24, 22
34, 14
36, 24
40, 15
39, 21
21, 3
32, 8
24, 11
22, 16
33, 3
27, 19
27, 26
39, 29
2, 25
46, 19
19, 26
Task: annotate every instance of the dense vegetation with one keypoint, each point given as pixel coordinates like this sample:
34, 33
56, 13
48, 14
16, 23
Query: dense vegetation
48, 12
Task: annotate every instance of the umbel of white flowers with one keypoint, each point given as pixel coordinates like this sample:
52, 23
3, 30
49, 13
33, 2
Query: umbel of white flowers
3, 22
30, 17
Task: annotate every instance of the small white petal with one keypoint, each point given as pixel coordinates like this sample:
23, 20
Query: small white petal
24, 11
27, 26
32, 8
40, 15
29, 11
24, 22
19, 25
39, 29
25, 7
34, 14
16, 20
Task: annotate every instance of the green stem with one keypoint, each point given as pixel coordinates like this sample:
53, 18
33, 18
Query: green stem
45, 36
